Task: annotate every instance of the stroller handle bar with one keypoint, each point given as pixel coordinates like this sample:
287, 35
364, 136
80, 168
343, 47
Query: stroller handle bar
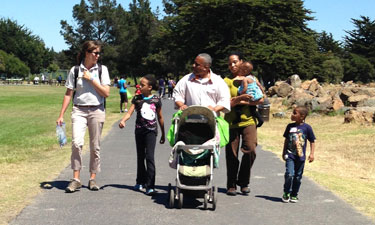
195, 147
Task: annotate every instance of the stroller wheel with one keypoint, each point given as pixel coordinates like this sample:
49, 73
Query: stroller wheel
205, 202
180, 200
214, 198
171, 197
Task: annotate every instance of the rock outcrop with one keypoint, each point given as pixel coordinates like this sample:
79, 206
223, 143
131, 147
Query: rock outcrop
357, 101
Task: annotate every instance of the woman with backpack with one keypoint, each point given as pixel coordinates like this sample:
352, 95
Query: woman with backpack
88, 86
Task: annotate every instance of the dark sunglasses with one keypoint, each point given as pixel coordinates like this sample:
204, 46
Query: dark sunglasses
96, 53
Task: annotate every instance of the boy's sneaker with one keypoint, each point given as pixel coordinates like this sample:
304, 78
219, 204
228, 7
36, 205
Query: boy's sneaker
150, 191
93, 186
126, 110
73, 186
286, 197
138, 187
294, 199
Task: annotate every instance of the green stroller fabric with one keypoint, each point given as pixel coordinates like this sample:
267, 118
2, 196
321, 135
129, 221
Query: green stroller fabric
222, 126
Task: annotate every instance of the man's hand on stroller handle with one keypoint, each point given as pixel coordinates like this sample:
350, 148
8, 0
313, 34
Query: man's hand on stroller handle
180, 105
183, 107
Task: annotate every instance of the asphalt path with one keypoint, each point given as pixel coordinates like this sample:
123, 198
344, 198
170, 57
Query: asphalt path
117, 203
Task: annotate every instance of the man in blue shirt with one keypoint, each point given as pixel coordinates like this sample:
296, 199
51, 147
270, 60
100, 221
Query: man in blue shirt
123, 93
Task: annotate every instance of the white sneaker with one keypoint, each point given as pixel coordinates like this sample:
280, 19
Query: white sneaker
126, 110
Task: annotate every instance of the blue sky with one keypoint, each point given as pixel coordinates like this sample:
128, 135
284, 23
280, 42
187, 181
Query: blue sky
42, 17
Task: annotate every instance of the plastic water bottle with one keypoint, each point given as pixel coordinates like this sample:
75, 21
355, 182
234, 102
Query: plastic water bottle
61, 134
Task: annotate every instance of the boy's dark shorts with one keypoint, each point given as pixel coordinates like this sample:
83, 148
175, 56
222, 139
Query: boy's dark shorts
124, 97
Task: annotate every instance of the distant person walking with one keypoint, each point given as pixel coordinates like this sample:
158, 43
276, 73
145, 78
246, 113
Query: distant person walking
123, 94
148, 107
171, 85
36, 80
294, 152
88, 91
161, 87
59, 80
43, 79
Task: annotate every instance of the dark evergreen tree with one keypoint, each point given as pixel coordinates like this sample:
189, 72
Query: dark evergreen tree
327, 44
273, 34
17, 40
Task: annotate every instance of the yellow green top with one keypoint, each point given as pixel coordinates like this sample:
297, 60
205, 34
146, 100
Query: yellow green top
246, 117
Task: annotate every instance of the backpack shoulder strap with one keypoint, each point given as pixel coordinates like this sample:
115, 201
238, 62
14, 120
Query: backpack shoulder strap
100, 71
100, 78
76, 71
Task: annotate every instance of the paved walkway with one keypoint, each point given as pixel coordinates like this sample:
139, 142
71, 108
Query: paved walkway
117, 203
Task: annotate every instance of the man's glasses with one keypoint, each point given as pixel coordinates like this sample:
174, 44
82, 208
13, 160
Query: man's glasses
95, 53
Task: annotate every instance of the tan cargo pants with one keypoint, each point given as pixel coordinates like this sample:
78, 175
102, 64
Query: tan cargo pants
92, 117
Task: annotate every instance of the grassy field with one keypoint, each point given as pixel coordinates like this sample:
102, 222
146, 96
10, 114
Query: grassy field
30, 155
344, 156
29, 152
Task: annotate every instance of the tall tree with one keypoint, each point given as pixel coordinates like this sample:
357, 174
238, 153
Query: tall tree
141, 25
127, 35
273, 34
12, 66
360, 45
94, 22
19, 41
326, 43
361, 40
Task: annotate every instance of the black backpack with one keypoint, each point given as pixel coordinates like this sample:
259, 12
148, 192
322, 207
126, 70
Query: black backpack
76, 71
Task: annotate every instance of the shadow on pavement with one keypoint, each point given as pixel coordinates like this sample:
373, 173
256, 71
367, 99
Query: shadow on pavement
273, 199
59, 184
121, 186
222, 190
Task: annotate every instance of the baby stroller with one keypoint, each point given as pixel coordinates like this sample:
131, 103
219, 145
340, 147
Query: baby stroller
194, 155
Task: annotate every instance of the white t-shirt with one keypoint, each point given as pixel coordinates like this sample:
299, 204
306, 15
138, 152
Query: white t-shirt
211, 91
85, 92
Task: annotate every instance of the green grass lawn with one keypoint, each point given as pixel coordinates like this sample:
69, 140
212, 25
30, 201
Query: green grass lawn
29, 150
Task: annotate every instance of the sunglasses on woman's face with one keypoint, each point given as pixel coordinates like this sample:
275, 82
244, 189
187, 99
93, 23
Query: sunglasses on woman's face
95, 53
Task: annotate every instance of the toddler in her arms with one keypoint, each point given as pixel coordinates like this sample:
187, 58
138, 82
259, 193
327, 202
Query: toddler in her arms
294, 152
250, 85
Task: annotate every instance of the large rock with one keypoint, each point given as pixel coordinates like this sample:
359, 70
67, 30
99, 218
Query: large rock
306, 84
370, 102
362, 115
337, 104
284, 90
272, 91
321, 104
314, 85
357, 100
294, 81
300, 97
345, 94
366, 91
